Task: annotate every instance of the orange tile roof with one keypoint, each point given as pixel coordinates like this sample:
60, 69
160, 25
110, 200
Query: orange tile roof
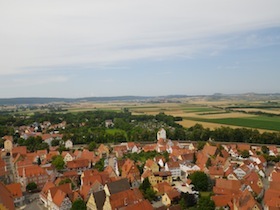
246, 201
272, 198
15, 190
149, 147
79, 163
243, 147
232, 185
222, 200
149, 163
6, 197
209, 150
216, 171
46, 188
275, 176
20, 149
125, 198
145, 204
163, 187
58, 197
2, 167
34, 170
172, 194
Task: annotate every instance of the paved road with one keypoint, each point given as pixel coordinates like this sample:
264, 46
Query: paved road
33, 202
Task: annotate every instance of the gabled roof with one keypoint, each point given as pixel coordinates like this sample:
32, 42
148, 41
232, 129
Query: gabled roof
145, 204
246, 201
46, 188
15, 190
6, 197
173, 164
243, 147
216, 171
149, 163
79, 163
222, 200
125, 198
118, 186
20, 149
99, 198
163, 187
33, 170
59, 193
232, 185
209, 150
272, 198
173, 194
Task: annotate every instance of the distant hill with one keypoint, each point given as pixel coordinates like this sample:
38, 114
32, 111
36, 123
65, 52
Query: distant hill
214, 97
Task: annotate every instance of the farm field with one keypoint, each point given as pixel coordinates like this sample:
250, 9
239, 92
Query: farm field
259, 122
211, 114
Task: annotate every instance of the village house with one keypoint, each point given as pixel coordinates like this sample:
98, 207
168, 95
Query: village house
120, 150
132, 173
241, 171
16, 192
103, 151
78, 165
151, 165
188, 168
171, 196
109, 123
68, 144
96, 200
162, 188
68, 156
246, 201
116, 186
174, 168
6, 198
30, 174
57, 197
161, 176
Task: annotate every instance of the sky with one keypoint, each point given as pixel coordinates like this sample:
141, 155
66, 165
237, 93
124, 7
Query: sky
90, 48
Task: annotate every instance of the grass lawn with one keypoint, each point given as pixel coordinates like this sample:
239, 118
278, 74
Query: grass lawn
205, 194
259, 122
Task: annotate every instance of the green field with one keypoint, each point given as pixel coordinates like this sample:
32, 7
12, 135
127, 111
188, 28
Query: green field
260, 122
199, 109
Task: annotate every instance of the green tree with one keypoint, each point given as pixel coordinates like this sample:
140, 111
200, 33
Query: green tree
99, 165
199, 180
187, 200
245, 154
39, 161
58, 162
79, 204
265, 150
147, 190
205, 203
31, 186
92, 145
55, 142
208, 162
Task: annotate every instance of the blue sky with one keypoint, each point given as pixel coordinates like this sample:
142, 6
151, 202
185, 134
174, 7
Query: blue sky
113, 48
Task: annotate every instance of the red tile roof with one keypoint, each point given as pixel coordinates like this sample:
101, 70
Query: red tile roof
79, 163
145, 204
125, 198
6, 197
15, 190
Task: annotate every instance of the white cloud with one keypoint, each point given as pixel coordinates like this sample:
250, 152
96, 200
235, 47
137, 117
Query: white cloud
64, 33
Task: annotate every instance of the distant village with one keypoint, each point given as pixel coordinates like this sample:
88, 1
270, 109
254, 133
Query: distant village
239, 175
